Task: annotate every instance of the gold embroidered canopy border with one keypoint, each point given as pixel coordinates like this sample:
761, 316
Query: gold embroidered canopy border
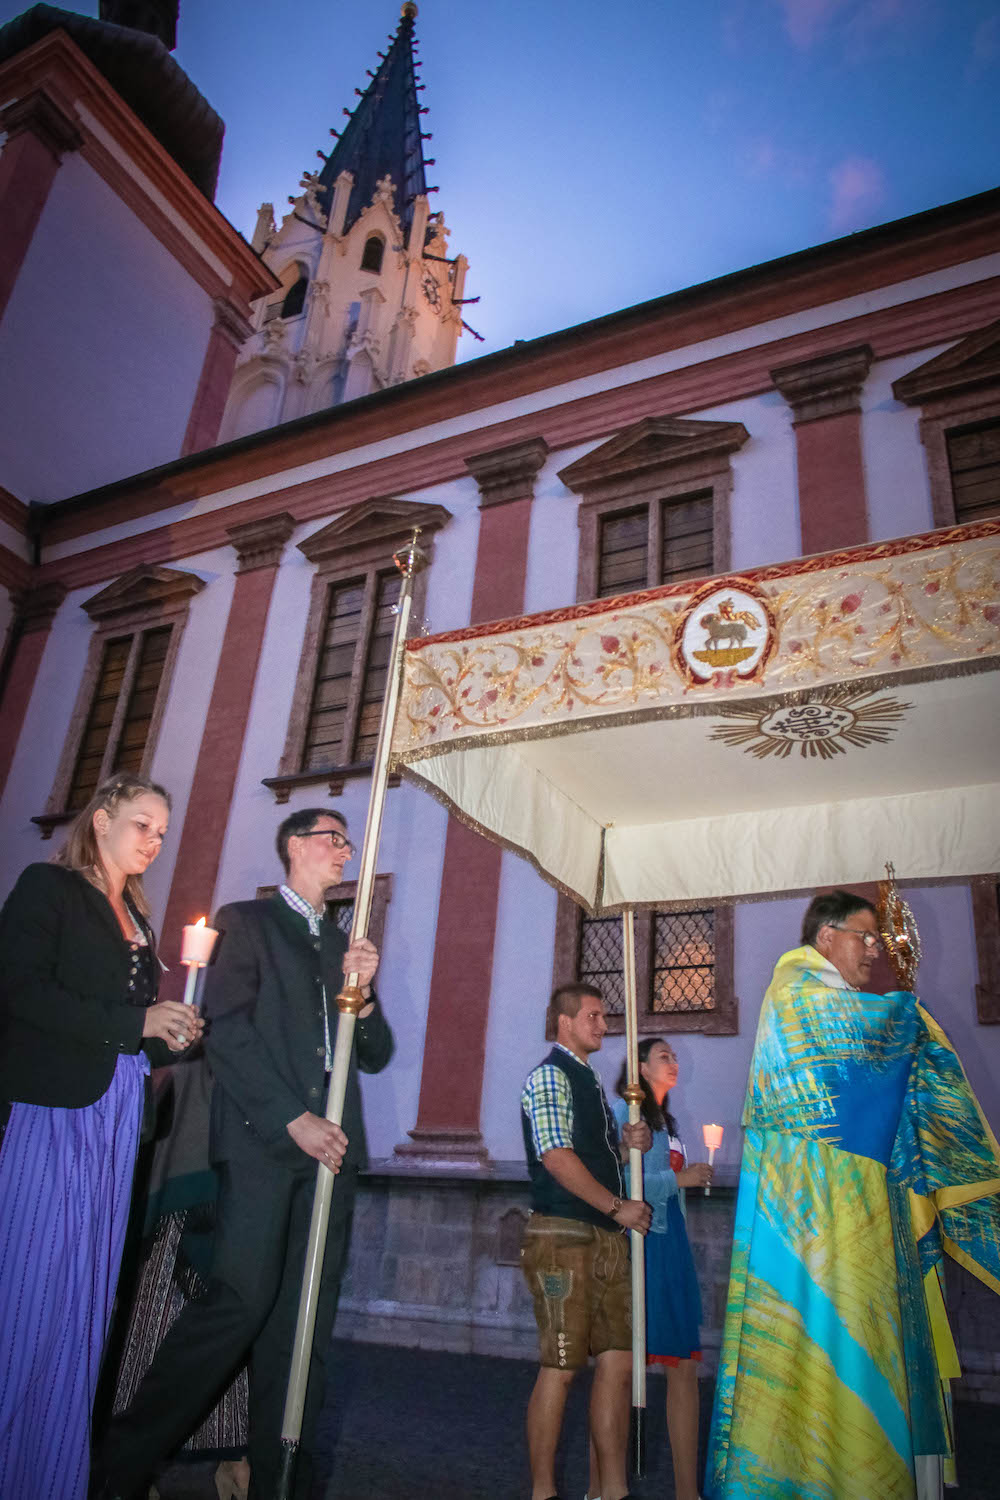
775, 730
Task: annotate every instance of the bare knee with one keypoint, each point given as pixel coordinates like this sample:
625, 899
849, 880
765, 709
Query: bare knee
614, 1367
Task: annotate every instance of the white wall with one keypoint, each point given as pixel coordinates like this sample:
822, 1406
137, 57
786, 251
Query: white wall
40, 746
101, 346
183, 722
554, 538
522, 983
895, 460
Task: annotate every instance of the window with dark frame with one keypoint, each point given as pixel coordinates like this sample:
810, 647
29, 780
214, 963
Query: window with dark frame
341, 679
684, 529
974, 465
121, 710
349, 685
681, 975
683, 962
985, 893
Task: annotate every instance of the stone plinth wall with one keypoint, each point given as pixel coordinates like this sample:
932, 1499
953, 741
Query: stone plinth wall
974, 1314
434, 1264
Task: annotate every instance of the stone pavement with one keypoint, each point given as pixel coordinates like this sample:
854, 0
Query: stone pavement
412, 1424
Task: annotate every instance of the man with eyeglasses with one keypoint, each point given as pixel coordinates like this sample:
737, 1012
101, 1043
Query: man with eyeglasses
270, 1000
865, 1157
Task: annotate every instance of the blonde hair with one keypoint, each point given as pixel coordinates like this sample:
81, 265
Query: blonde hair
80, 851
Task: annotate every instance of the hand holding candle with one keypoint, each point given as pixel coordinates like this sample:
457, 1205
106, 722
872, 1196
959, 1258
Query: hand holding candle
197, 942
712, 1136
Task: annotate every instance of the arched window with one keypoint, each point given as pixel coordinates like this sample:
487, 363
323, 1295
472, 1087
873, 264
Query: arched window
371, 257
295, 297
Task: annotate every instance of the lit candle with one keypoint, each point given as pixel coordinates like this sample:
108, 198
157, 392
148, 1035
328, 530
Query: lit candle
197, 942
712, 1136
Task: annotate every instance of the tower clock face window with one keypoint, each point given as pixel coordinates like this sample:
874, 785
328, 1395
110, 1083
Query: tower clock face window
431, 289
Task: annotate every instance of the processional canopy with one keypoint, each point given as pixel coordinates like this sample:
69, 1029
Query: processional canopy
733, 736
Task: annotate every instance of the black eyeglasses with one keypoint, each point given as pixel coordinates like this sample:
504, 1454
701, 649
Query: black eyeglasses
337, 839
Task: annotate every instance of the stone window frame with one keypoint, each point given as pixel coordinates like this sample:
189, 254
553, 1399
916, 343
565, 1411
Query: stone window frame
959, 388
724, 1020
360, 542
985, 893
651, 463
145, 598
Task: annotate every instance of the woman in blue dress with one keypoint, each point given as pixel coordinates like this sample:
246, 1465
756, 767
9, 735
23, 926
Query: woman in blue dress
673, 1302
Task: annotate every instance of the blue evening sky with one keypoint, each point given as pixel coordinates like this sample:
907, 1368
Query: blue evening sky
592, 155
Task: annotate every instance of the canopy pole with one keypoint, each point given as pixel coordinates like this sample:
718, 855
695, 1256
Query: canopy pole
633, 1096
410, 560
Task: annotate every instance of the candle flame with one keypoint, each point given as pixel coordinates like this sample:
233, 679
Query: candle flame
200, 922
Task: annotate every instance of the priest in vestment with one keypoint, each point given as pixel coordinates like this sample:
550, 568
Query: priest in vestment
866, 1158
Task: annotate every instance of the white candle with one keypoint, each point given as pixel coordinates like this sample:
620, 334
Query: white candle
190, 983
197, 942
712, 1136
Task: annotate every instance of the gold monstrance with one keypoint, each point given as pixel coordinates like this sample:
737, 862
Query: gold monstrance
898, 929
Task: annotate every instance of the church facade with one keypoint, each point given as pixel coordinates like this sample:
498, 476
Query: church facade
219, 616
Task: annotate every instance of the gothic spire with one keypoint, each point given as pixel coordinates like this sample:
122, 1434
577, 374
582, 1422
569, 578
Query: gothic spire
382, 137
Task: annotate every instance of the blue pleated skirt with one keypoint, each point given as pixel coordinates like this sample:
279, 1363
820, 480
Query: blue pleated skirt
65, 1184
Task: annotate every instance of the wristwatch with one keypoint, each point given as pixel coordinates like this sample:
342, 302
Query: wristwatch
613, 1210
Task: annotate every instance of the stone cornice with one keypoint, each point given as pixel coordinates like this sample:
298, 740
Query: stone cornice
826, 386
143, 588
231, 323
261, 543
505, 474
972, 363
39, 604
46, 119
382, 520
652, 446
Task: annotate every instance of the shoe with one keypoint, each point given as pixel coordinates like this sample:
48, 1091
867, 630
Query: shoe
232, 1479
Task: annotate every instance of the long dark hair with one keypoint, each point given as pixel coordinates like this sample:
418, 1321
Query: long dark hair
655, 1115
80, 851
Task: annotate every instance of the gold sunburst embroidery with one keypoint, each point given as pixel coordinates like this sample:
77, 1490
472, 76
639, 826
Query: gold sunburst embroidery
824, 723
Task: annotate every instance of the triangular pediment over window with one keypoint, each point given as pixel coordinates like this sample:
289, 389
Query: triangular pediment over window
652, 444
144, 587
381, 520
971, 363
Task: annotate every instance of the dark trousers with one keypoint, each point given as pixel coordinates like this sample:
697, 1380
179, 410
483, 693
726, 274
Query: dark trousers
251, 1304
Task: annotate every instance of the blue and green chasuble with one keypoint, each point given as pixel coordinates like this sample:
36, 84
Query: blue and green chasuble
866, 1157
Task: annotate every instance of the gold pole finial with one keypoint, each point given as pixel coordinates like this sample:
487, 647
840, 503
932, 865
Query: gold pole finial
411, 559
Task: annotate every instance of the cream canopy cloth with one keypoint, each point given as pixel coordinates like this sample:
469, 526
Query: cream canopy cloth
788, 727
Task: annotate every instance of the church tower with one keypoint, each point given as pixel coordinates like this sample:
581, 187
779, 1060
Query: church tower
369, 293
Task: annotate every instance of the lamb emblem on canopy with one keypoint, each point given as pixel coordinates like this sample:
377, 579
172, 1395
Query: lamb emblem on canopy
726, 632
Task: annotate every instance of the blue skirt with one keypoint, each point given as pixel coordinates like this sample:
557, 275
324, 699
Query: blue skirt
65, 1184
673, 1301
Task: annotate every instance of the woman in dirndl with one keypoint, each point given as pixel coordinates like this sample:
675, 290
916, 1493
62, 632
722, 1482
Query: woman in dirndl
673, 1301
79, 1027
